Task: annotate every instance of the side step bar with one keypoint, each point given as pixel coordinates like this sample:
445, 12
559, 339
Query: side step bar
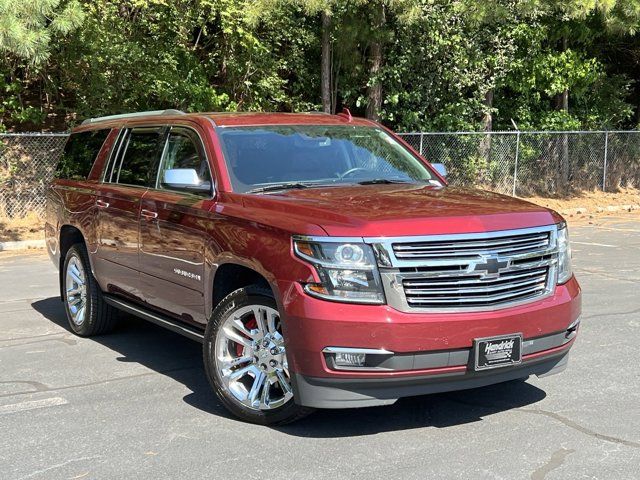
166, 322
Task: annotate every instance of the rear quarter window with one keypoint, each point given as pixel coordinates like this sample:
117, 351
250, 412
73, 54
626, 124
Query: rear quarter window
79, 154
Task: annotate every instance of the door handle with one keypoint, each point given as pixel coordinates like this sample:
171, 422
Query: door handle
102, 204
148, 214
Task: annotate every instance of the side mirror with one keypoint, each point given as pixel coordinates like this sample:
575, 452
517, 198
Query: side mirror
185, 179
440, 168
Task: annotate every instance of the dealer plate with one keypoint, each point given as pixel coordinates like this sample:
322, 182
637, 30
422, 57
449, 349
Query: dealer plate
496, 352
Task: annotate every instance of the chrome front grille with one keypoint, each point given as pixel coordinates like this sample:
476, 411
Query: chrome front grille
474, 290
468, 272
470, 248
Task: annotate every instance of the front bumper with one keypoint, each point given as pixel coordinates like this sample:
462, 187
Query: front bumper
368, 392
431, 351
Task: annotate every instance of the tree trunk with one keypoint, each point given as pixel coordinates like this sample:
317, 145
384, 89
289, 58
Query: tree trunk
335, 76
325, 63
562, 104
487, 125
374, 90
487, 120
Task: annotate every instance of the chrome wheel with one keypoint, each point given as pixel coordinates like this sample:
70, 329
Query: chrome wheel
76, 290
251, 360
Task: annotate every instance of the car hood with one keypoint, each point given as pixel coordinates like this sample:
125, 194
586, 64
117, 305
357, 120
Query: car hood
398, 210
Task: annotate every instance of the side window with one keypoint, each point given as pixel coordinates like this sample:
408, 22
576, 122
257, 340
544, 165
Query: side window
183, 151
79, 154
141, 154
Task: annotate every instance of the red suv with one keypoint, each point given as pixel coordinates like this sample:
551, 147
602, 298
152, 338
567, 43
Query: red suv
319, 259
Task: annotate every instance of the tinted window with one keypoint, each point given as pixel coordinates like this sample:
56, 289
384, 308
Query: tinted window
182, 152
316, 154
79, 154
141, 156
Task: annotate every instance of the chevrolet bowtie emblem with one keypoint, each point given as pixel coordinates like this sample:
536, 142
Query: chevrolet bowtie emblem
491, 266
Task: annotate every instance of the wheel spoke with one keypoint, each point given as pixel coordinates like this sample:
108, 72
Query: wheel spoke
258, 382
233, 336
238, 325
286, 388
75, 300
235, 362
271, 322
80, 315
78, 269
260, 315
237, 374
73, 291
76, 278
264, 398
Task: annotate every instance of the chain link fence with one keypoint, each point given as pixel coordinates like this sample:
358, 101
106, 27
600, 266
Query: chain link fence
27, 163
535, 163
516, 163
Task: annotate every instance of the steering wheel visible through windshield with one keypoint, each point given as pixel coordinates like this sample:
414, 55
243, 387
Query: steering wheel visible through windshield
297, 156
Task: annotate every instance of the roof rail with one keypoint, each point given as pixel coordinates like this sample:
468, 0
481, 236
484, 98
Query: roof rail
169, 111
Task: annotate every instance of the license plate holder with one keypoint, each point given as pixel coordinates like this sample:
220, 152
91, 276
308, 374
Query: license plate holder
497, 352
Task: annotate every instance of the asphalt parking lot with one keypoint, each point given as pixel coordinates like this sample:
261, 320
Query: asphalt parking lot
136, 404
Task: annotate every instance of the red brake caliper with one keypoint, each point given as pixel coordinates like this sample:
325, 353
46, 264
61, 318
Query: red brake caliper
251, 324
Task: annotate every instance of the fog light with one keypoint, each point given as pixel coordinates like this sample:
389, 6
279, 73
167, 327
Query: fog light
344, 359
349, 358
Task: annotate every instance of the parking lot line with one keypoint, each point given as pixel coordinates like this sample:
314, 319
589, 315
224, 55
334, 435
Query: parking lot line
32, 405
595, 244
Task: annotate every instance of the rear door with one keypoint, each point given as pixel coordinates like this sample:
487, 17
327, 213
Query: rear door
126, 180
173, 225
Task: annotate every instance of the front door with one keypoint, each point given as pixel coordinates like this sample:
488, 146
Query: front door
126, 181
173, 225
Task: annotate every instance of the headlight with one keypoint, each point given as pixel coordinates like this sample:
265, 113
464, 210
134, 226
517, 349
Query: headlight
347, 270
564, 254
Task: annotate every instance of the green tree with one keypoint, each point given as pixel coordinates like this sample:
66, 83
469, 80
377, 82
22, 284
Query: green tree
353, 36
28, 31
413, 64
28, 28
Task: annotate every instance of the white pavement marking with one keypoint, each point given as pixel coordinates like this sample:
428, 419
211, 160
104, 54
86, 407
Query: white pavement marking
594, 244
32, 405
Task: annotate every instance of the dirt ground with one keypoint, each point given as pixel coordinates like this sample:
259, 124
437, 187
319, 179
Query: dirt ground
30, 227
591, 201
582, 208
589, 207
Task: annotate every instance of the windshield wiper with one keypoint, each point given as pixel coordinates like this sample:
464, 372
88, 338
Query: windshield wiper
381, 181
279, 186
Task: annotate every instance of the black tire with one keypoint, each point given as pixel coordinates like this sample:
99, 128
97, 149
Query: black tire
252, 295
99, 317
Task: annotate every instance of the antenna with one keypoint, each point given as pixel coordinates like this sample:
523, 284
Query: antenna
346, 114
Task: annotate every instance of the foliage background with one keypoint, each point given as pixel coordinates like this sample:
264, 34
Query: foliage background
444, 64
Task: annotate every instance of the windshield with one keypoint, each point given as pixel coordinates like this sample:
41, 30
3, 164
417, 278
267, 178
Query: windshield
299, 156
